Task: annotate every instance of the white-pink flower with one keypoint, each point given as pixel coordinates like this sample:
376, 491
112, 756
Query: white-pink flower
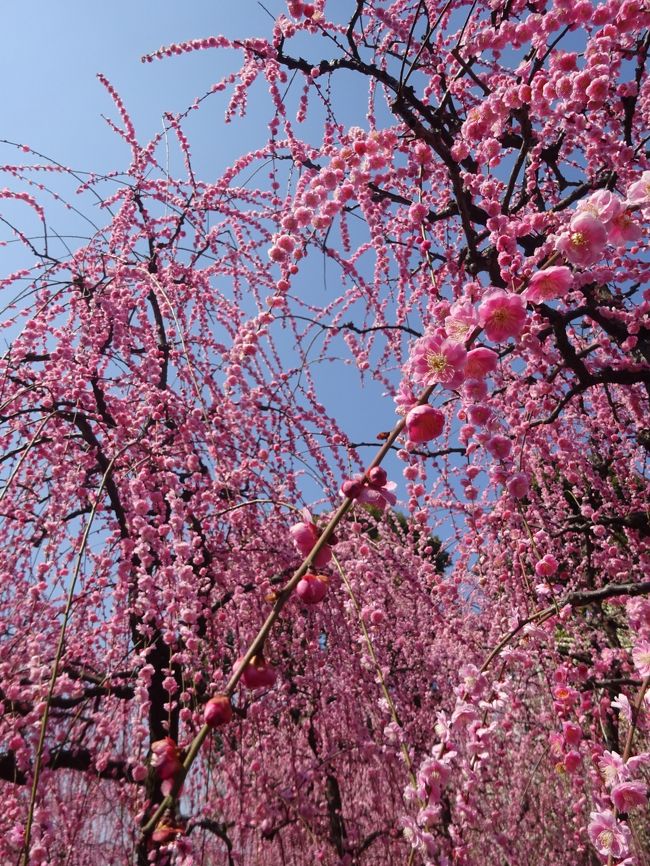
638, 193
641, 658
628, 795
608, 835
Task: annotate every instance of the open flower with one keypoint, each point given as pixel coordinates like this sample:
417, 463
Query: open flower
638, 193
629, 795
502, 315
549, 284
461, 321
437, 359
641, 658
584, 241
608, 835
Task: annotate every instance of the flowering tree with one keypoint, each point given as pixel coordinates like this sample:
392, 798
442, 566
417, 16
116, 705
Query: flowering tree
221, 642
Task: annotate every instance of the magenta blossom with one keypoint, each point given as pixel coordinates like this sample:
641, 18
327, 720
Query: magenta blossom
502, 315
424, 423
258, 673
584, 241
438, 360
629, 795
305, 535
608, 835
546, 285
475, 389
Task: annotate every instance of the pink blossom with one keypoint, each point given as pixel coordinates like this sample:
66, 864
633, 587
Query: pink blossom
305, 535
519, 485
572, 733
499, 447
551, 283
502, 315
218, 711
436, 359
641, 658
167, 761
424, 423
623, 228
608, 835
461, 321
638, 193
479, 414
602, 204
628, 795
612, 768
546, 566
584, 241
572, 761
480, 362
312, 588
258, 673
475, 389
377, 496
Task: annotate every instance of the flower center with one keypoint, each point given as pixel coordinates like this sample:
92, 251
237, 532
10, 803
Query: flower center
578, 239
437, 363
605, 839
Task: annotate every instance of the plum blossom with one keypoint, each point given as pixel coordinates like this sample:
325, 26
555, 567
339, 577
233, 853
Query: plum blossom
167, 761
312, 588
641, 658
608, 835
461, 321
546, 285
305, 535
435, 359
375, 494
480, 362
499, 447
638, 193
519, 485
622, 229
612, 768
584, 241
502, 315
628, 795
603, 204
424, 423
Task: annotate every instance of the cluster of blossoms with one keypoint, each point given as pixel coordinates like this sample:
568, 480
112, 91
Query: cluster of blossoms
167, 396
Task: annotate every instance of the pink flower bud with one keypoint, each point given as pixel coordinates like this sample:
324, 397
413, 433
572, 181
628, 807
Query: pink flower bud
424, 423
258, 674
312, 588
218, 711
377, 477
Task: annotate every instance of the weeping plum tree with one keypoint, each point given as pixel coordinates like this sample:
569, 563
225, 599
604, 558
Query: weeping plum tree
220, 642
